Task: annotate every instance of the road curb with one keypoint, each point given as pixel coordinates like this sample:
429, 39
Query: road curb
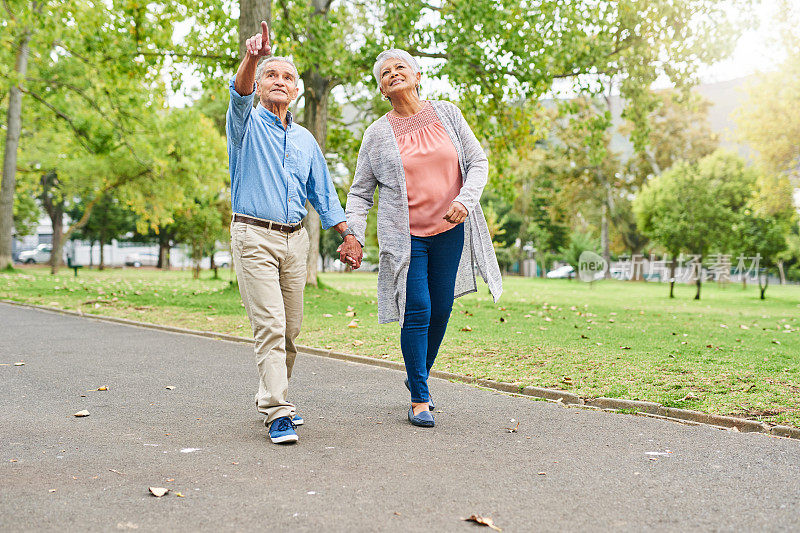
653, 409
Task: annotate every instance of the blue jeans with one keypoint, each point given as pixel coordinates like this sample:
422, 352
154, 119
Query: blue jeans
429, 300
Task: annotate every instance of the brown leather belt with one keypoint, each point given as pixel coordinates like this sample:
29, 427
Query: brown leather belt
285, 228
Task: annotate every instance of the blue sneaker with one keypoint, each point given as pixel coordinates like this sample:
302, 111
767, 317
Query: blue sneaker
298, 420
431, 407
423, 420
281, 431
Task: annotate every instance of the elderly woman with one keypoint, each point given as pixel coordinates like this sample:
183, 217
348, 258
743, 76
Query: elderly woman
430, 171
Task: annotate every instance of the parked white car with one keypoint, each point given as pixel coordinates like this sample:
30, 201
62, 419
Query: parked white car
141, 259
40, 254
565, 271
222, 259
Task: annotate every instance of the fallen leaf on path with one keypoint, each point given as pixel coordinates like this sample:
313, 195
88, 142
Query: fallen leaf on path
80, 414
482, 520
158, 491
514, 429
542, 473
179, 495
170, 387
19, 364
51, 490
116, 471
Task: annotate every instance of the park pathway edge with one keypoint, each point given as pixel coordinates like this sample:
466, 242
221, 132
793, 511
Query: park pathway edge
642, 408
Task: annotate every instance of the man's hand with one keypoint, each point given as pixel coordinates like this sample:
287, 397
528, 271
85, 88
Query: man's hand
456, 214
350, 252
258, 44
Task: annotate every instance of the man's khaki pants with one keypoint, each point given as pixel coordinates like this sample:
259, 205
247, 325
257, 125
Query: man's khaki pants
271, 268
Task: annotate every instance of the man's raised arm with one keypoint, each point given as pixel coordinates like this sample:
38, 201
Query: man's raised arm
257, 47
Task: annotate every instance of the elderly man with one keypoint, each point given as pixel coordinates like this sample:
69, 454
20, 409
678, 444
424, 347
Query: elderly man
275, 166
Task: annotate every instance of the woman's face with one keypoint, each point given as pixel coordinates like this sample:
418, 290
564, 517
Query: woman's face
397, 78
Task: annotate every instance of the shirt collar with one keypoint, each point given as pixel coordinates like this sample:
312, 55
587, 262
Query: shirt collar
272, 117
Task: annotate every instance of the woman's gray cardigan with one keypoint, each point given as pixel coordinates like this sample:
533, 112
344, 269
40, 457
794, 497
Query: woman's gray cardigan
379, 164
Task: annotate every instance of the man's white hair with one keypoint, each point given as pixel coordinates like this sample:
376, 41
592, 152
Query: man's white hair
263, 66
393, 53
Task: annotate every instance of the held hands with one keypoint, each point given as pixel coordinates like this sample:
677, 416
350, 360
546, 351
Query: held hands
258, 44
456, 214
350, 252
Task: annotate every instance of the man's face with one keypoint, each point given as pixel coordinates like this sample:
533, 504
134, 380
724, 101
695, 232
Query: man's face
277, 85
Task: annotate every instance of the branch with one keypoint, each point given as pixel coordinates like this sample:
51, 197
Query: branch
82, 137
88, 210
10, 13
285, 9
434, 55
170, 53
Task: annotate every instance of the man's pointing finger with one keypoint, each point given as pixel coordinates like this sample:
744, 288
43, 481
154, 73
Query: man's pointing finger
264, 33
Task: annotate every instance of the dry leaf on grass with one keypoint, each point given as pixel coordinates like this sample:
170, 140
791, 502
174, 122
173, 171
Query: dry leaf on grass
327, 315
482, 520
350, 314
357, 343
80, 414
466, 328
158, 491
351, 308
353, 324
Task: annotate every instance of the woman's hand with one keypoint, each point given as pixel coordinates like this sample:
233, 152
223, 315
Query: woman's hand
456, 214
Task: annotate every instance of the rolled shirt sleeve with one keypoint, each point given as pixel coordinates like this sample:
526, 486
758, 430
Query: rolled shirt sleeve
322, 193
239, 110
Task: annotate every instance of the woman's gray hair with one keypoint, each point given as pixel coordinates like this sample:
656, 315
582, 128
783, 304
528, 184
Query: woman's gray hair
393, 53
263, 66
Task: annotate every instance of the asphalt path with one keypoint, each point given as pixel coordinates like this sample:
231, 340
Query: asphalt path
359, 465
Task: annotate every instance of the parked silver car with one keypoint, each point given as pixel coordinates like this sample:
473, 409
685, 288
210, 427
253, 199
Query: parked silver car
141, 259
40, 254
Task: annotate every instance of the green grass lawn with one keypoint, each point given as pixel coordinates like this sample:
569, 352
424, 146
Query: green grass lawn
729, 353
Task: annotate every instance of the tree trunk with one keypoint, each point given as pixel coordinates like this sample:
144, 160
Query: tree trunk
251, 13
91, 254
9, 183
673, 265
781, 272
315, 120
102, 264
604, 241
763, 288
163, 250
699, 278
57, 219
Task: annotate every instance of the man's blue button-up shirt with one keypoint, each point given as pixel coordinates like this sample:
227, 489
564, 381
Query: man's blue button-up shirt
275, 169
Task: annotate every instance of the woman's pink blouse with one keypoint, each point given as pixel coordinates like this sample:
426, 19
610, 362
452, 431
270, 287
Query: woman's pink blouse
433, 175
